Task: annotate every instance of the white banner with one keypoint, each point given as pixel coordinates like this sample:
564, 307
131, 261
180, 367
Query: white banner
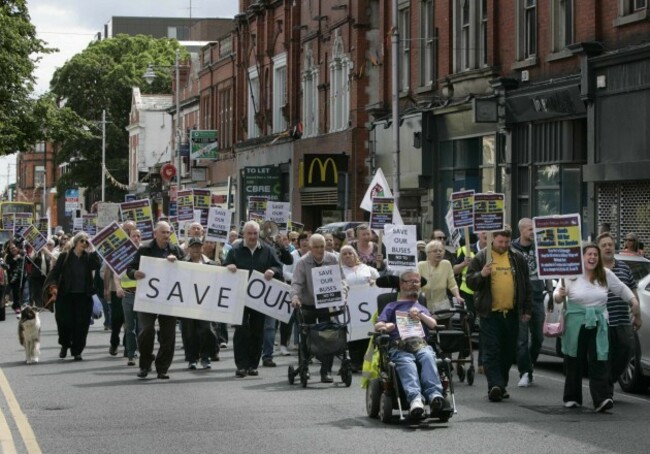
272, 298
191, 290
362, 304
219, 221
328, 286
401, 246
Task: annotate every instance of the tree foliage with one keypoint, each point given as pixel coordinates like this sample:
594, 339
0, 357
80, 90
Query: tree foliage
19, 50
102, 77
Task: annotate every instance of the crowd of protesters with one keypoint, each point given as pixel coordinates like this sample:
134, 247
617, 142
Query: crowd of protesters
503, 294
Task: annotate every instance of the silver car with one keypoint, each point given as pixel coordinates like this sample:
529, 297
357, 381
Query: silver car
637, 376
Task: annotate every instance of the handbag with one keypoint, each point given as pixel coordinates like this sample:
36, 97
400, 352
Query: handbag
554, 329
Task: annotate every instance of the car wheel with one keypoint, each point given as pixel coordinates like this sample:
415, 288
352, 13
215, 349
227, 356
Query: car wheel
632, 379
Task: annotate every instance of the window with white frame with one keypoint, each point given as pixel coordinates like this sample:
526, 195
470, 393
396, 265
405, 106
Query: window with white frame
562, 23
309, 95
39, 147
404, 25
253, 102
427, 48
630, 11
526, 29
340, 68
225, 117
39, 176
279, 92
470, 34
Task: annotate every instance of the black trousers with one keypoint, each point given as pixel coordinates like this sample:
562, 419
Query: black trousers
200, 339
498, 339
73, 312
146, 338
621, 350
598, 370
117, 319
247, 340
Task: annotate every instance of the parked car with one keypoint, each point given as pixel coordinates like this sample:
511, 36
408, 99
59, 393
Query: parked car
336, 227
637, 376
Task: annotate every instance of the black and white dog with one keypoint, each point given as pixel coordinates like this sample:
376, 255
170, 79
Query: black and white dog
29, 333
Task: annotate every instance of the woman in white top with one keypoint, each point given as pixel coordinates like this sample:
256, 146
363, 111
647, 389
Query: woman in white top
585, 328
356, 273
440, 278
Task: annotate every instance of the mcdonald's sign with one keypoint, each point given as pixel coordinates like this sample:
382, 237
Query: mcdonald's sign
322, 170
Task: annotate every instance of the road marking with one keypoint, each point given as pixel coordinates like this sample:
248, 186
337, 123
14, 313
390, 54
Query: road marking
6, 439
24, 428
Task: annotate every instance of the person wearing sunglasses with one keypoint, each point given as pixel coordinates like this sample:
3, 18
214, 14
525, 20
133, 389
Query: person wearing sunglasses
73, 276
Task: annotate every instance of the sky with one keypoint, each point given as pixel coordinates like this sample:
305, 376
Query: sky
70, 25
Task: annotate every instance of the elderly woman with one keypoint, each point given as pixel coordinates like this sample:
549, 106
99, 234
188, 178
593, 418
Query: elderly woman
73, 276
356, 273
440, 278
585, 334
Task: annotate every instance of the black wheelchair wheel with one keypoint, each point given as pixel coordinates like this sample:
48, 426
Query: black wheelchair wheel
470, 375
291, 375
373, 396
346, 375
461, 373
385, 407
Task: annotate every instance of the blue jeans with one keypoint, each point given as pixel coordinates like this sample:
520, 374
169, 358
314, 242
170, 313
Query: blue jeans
270, 325
406, 365
528, 350
130, 324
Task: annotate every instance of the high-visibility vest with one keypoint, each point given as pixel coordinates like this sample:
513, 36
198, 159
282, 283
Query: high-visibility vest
463, 274
127, 283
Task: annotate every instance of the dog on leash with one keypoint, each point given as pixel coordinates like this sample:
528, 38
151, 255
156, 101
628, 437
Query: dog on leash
29, 333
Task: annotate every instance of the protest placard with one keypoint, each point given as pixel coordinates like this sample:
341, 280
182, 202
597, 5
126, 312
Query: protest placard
382, 212
361, 305
185, 205
107, 213
35, 238
489, 212
191, 290
43, 225
139, 211
270, 297
407, 326
218, 227
115, 247
202, 198
462, 208
8, 221
279, 213
77, 225
557, 246
328, 286
89, 223
401, 246
257, 205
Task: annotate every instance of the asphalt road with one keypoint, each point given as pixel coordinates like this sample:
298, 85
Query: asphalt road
98, 406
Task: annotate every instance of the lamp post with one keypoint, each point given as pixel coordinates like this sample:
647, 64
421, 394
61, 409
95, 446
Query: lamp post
149, 76
103, 155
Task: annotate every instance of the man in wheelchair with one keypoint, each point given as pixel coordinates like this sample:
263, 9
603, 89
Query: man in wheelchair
407, 322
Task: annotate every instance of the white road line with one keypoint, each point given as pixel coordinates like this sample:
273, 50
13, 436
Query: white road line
6, 439
24, 428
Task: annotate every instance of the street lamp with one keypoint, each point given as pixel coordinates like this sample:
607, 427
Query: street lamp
149, 76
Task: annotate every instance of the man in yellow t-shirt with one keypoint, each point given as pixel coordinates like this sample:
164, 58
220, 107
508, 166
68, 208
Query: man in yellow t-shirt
502, 297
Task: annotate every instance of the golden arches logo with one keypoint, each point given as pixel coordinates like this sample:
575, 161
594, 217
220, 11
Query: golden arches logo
323, 170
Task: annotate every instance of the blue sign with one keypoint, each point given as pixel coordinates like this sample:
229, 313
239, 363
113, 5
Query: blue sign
130, 197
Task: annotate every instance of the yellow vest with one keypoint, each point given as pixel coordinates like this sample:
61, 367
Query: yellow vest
127, 283
463, 274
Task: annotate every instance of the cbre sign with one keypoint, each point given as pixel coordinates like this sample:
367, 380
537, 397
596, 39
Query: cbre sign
264, 181
322, 170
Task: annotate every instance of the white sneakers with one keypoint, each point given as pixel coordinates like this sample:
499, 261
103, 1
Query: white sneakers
417, 408
571, 404
525, 381
284, 351
606, 404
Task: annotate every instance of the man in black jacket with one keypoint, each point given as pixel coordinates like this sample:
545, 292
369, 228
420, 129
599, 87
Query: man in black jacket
502, 298
251, 255
159, 247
